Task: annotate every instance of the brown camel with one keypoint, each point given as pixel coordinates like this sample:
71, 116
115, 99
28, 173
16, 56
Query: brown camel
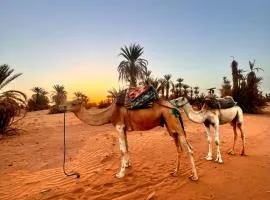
138, 120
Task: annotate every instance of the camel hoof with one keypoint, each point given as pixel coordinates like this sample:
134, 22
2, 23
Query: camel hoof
119, 175
208, 158
219, 160
243, 154
193, 178
174, 173
231, 152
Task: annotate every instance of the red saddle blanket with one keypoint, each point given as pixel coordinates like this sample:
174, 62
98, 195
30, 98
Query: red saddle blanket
133, 93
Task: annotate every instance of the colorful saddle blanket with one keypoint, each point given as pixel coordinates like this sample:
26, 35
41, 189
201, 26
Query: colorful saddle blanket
220, 103
135, 98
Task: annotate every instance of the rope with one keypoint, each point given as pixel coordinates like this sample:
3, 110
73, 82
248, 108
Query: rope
64, 161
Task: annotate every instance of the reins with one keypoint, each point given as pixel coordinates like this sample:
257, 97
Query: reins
64, 161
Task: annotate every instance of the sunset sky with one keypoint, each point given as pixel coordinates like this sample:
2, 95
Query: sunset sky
76, 43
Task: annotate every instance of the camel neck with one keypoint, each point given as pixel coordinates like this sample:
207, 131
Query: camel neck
195, 116
96, 118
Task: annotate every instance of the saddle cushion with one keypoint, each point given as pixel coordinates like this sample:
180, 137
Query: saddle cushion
136, 98
220, 103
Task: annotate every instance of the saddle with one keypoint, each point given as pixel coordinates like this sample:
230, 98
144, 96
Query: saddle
220, 103
137, 98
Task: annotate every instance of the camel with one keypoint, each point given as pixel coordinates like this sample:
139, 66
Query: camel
125, 120
215, 117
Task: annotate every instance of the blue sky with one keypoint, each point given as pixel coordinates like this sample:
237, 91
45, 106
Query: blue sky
76, 43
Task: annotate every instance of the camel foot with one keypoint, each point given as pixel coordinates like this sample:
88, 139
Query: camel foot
219, 160
119, 175
208, 157
174, 173
231, 152
193, 178
243, 154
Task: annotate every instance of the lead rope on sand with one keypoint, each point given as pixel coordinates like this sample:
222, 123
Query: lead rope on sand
64, 161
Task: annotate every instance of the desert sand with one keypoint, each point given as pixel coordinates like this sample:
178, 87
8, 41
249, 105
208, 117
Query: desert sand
31, 162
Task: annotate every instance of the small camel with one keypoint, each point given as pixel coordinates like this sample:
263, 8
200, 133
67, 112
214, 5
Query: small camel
137, 120
215, 117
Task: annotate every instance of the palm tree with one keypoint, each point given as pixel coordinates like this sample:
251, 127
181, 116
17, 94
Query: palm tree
39, 100
185, 86
147, 77
167, 84
162, 87
226, 87
191, 93
133, 67
196, 92
10, 100
251, 77
179, 86
113, 93
234, 66
58, 97
81, 97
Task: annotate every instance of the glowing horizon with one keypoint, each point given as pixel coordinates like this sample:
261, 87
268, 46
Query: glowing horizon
76, 44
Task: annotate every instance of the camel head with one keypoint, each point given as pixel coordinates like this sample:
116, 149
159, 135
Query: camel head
179, 102
72, 106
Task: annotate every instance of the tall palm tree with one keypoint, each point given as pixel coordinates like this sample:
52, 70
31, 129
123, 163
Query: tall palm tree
133, 66
167, 84
59, 94
10, 100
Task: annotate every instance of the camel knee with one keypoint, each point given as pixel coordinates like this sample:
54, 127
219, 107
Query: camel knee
185, 145
209, 139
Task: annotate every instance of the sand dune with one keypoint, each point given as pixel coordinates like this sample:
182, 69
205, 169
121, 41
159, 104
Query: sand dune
31, 163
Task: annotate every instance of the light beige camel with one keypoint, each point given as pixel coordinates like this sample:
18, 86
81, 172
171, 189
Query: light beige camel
137, 120
215, 117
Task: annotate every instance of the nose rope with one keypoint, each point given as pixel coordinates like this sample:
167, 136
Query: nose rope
64, 161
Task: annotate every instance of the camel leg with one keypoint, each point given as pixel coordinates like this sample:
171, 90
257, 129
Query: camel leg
127, 163
243, 137
209, 140
217, 141
123, 148
179, 152
231, 152
184, 145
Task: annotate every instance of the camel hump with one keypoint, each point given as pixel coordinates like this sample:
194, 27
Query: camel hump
220, 103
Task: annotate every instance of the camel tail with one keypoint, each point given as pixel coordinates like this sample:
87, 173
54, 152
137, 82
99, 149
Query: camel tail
240, 117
